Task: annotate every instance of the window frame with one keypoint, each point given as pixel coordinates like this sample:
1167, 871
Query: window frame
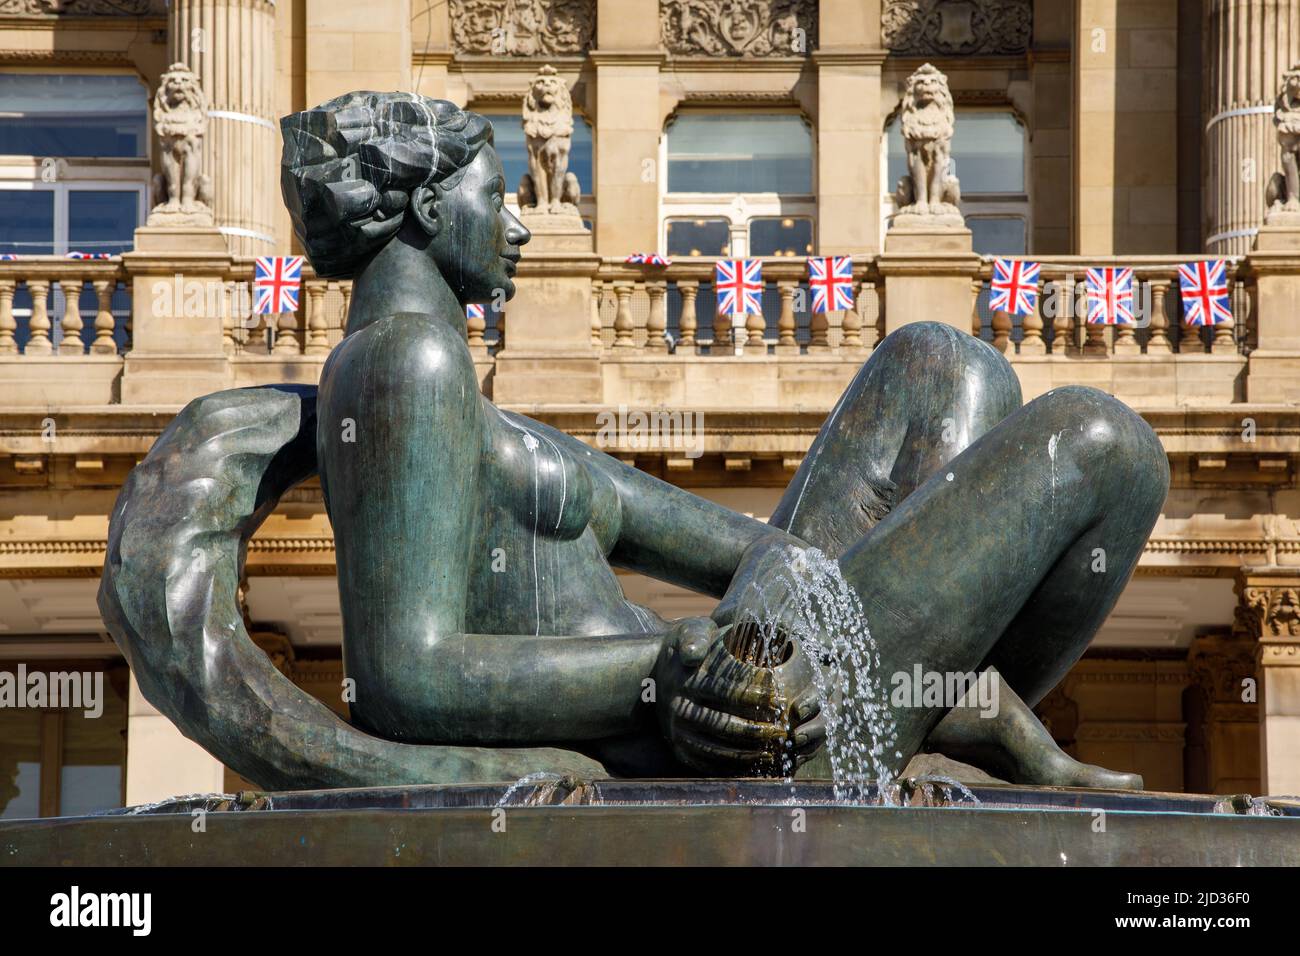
737, 208
988, 205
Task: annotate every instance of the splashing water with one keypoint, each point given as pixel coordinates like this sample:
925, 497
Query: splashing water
821, 611
541, 785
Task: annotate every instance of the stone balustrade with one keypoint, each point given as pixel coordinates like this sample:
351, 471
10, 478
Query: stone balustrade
64, 325
652, 337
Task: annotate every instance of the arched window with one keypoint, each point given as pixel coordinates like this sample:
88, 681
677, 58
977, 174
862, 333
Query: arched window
988, 158
738, 184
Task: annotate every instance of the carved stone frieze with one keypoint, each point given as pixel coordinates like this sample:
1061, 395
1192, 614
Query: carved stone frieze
957, 27
744, 28
82, 8
523, 27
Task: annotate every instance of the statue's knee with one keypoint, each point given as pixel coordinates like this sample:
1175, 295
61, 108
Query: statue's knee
1107, 438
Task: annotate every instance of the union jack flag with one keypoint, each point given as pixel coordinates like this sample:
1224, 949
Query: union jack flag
831, 279
8, 256
1110, 296
1205, 292
275, 284
739, 285
473, 311
649, 259
1014, 287
90, 255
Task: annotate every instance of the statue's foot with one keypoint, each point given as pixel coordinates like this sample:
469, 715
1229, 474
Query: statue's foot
1013, 745
1059, 769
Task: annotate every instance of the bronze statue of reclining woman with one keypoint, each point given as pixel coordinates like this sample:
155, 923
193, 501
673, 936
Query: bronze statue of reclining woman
484, 629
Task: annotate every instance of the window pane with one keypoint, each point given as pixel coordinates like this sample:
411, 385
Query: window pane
43, 114
20, 763
27, 221
94, 757
988, 150
780, 236
699, 237
102, 220
740, 153
998, 236
988, 153
508, 137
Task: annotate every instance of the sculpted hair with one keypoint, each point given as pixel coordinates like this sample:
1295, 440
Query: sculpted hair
350, 164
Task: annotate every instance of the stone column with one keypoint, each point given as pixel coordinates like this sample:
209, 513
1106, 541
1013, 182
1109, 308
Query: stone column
1268, 610
230, 45
850, 127
1249, 44
628, 126
1226, 726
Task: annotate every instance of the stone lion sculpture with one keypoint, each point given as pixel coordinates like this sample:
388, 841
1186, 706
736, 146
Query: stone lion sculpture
548, 186
1283, 193
927, 126
180, 120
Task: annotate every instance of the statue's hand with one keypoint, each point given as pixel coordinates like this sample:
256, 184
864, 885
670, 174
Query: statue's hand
722, 715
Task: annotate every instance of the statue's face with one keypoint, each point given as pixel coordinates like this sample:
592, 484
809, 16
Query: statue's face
477, 244
925, 91
1293, 84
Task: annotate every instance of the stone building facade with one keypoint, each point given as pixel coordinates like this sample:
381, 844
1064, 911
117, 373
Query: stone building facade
1130, 133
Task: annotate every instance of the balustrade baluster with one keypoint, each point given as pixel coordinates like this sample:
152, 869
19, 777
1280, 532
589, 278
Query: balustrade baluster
1063, 342
656, 323
1158, 339
1189, 340
785, 325
689, 288
880, 315
1031, 327
623, 325
851, 326
597, 291
721, 329
318, 342
39, 342
104, 344
288, 335
755, 329
1002, 326
1224, 340
71, 323
8, 345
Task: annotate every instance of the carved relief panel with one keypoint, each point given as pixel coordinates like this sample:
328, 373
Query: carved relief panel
956, 27
523, 27
744, 28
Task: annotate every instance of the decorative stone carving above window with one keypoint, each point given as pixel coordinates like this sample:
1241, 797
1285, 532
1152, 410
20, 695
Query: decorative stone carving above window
82, 8
955, 27
746, 28
523, 27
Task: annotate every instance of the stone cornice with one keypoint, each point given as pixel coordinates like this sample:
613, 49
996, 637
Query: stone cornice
850, 56
644, 57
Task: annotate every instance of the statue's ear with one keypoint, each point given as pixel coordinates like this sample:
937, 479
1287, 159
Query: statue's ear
424, 207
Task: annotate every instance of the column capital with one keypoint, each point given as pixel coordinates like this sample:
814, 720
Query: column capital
1268, 604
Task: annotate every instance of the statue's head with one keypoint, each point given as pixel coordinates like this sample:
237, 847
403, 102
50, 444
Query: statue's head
367, 169
1291, 81
548, 90
927, 85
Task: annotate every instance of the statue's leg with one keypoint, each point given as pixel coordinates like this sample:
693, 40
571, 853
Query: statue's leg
1007, 575
920, 180
1292, 173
